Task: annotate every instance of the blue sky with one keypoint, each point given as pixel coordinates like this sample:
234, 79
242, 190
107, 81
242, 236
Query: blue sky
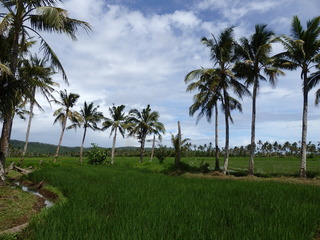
140, 51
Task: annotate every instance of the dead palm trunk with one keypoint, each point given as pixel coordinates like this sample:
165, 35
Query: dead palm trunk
81, 149
217, 164
153, 146
60, 140
303, 163
226, 149
113, 145
253, 129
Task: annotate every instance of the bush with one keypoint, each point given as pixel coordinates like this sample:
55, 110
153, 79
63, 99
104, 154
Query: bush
96, 155
161, 153
204, 167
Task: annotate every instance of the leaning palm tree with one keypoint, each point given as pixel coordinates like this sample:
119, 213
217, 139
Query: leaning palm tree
302, 50
67, 101
142, 124
117, 121
90, 117
20, 20
223, 55
256, 65
39, 75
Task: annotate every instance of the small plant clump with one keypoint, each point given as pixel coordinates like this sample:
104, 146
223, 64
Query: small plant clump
96, 155
162, 153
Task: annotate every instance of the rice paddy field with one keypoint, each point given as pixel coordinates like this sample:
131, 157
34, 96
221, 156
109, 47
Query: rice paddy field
139, 201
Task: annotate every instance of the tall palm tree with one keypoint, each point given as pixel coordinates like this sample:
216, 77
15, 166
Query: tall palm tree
142, 124
39, 75
205, 101
223, 55
21, 20
117, 121
90, 117
67, 101
256, 65
302, 50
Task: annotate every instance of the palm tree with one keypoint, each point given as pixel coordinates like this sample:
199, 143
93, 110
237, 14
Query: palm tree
90, 116
117, 121
36, 71
179, 147
142, 124
254, 55
64, 113
205, 101
21, 20
223, 55
302, 51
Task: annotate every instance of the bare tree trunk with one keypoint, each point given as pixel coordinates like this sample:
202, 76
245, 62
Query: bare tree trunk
5, 138
226, 148
81, 149
60, 140
153, 146
303, 163
143, 139
177, 160
253, 129
113, 145
28, 132
217, 164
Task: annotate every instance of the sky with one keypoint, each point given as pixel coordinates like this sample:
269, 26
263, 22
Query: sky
139, 53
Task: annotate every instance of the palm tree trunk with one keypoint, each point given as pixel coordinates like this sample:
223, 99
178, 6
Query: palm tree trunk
177, 160
60, 140
303, 163
253, 129
113, 145
226, 148
143, 139
217, 165
28, 132
5, 137
153, 146
81, 149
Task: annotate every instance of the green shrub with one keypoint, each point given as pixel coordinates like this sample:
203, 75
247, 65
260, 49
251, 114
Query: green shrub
96, 155
162, 153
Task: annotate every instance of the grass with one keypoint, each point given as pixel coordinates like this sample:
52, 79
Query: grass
119, 202
130, 200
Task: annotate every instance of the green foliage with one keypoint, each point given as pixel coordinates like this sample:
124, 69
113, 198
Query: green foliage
118, 202
162, 153
204, 167
96, 155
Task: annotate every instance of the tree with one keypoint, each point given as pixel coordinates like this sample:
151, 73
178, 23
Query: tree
302, 51
254, 55
179, 146
205, 101
67, 101
90, 117
39, 74
117, 121
142, 124
21, 20
223, 55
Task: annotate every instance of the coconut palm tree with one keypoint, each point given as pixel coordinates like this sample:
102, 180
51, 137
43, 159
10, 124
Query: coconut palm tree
302, 50
117, 121
179, 146
65, 112
255, 65
90, 117
223, 55
142, 124
39, 75
205, 101
20, 20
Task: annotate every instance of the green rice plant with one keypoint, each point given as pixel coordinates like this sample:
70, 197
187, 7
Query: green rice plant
119, 202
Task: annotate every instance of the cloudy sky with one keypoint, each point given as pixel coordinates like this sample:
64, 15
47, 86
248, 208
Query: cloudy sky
140, 51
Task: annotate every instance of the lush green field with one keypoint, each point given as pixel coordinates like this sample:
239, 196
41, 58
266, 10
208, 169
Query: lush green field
122, 202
